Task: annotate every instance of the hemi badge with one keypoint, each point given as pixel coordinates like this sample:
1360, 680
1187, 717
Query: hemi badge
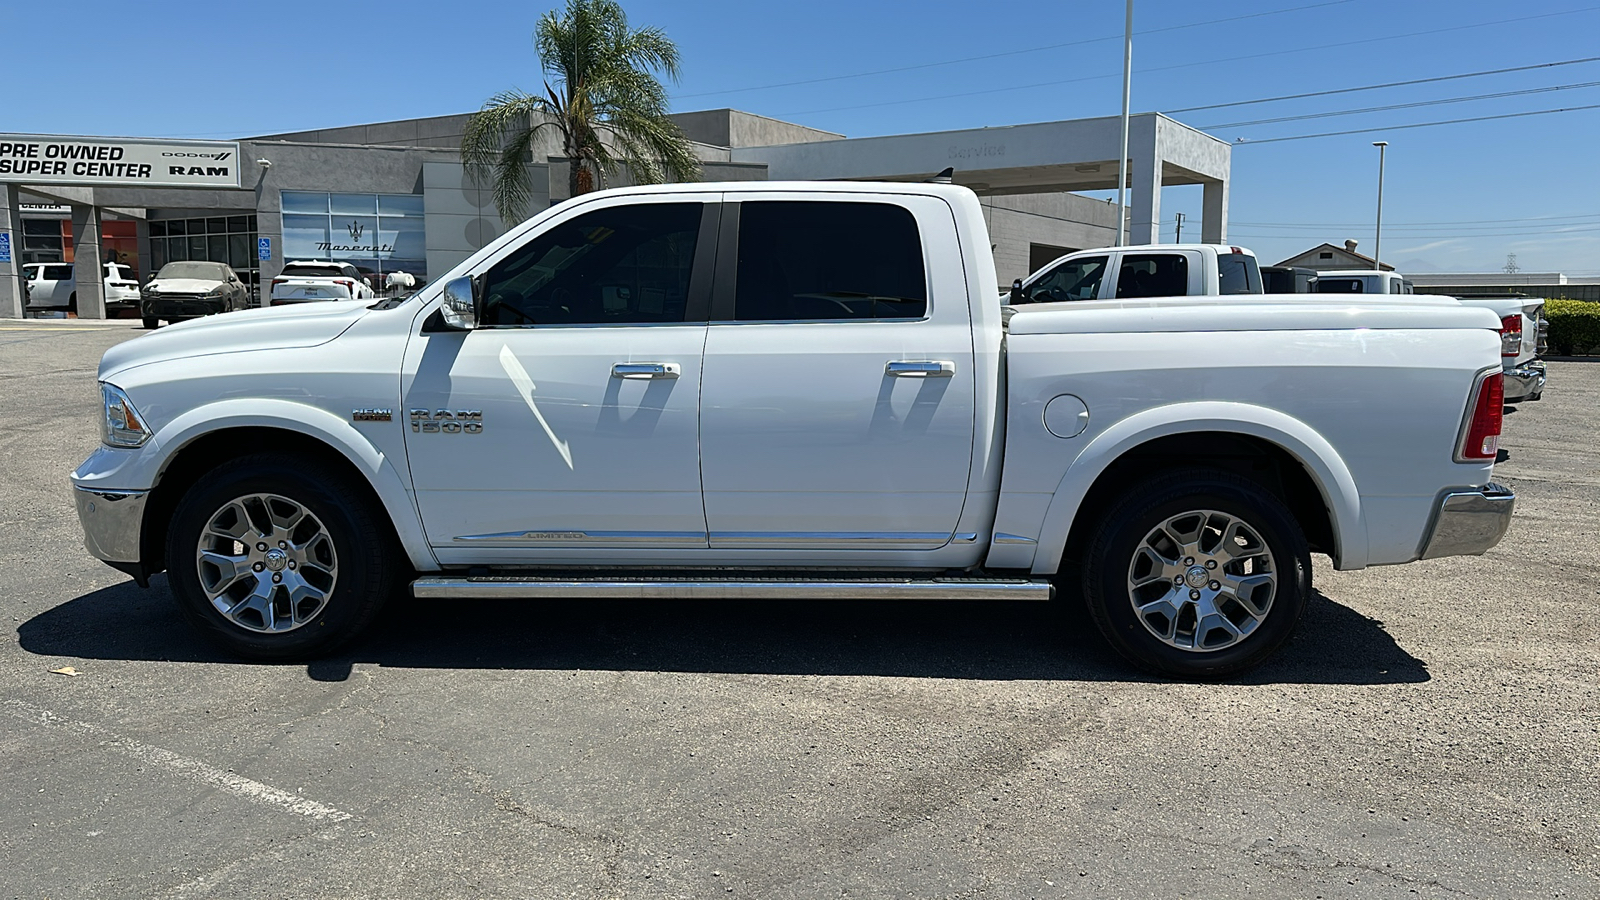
371, 415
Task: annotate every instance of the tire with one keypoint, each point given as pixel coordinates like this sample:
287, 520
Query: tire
150, 322
338, 560
1175, 526
72, 303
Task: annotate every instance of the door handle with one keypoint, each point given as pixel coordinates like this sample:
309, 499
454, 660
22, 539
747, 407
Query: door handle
920, 368
645, 370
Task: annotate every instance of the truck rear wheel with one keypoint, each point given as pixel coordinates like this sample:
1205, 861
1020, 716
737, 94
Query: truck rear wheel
275, 557
1197, 573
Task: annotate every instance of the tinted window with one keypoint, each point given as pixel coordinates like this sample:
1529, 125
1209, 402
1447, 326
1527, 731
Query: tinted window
57, 273
1239, 274
811, 260
205, 270
303, 271
1153, 275
615, 266
1078, 279
1327, 285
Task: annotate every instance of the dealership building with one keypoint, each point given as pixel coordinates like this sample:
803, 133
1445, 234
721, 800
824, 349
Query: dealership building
395, 197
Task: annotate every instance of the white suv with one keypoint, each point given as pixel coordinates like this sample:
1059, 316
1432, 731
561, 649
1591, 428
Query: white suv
309, 281
54, 286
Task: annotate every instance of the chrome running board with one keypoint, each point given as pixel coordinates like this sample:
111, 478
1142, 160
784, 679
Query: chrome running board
728, 588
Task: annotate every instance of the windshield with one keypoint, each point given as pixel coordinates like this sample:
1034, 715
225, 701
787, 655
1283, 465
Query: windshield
207, 270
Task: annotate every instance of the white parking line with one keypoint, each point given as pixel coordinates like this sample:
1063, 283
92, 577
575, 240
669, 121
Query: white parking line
191, 769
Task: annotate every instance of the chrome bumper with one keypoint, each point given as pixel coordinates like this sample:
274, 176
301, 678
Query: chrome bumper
1524, 381
1469, 522
111, 523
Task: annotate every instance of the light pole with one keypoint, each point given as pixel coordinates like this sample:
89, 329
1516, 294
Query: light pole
1377, 243
1122, 159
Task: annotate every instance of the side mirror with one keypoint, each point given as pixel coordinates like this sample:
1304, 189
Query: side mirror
1017, 294
460, 307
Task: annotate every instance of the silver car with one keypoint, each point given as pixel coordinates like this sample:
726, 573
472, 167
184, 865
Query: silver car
187, 290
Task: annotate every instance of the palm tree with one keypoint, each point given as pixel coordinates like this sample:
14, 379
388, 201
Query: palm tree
606, 104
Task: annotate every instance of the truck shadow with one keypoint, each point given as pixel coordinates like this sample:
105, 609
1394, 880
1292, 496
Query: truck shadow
926, 639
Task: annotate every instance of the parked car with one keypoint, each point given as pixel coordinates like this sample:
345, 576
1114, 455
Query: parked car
310, 281
188, 290
1522, 327
1288, 280
54, 286
790, 390
1149, 270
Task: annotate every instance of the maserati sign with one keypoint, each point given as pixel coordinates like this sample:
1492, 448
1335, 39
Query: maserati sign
117, 162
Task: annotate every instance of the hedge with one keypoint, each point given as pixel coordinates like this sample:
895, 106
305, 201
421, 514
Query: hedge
1574, 326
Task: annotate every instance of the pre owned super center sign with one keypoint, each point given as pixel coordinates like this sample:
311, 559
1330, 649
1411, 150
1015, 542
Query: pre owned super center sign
117, 162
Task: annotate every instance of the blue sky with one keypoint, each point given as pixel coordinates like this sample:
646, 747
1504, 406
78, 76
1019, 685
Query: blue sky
1457, 197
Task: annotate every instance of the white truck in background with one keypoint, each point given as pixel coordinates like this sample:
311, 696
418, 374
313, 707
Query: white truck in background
771, 390
1136, 272
1523, 329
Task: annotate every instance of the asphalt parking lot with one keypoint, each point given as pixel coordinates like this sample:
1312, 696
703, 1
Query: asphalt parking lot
1433, 730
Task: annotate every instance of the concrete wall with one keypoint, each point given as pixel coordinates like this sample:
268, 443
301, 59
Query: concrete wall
1067, 221
460, 214
732, 128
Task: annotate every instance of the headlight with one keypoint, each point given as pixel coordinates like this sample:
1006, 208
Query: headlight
216, 292
120, 426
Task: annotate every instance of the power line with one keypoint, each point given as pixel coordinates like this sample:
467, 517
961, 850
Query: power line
1413, 105
1009, 54
1243, 142
1374, 87
1207, 62
1452, 223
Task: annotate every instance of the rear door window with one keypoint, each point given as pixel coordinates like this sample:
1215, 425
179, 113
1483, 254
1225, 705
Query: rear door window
1153, 275
57, 273
818, 260
1077, 279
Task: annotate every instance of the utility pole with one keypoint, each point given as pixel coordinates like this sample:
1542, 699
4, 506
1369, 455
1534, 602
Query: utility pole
1179, 238
1377, 244
1127, 93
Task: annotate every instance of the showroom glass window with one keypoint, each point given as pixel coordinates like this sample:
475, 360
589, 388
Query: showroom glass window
227, 239
809, 260
623, 265
376, 233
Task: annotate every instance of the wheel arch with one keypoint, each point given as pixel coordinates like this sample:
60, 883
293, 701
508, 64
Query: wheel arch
1278, 451
206, 437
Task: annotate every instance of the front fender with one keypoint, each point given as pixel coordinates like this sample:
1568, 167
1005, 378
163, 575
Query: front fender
1304, 443
142, 469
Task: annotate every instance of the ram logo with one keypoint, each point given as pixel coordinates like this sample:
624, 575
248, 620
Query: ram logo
447, 421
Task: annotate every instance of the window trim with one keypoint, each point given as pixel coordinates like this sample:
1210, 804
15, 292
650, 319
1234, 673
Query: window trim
727, 268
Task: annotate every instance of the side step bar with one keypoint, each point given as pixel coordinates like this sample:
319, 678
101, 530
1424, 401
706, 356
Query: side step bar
729, 588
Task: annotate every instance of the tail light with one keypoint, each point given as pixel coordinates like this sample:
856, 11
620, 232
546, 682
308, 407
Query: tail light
1480, 434
1511, 334
278, 281
345, 283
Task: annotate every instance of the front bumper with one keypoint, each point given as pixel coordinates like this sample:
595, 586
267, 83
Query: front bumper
179, 307
112, 521
1524, 381
1469, 522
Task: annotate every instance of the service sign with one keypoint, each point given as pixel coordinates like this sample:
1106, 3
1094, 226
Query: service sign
117, 162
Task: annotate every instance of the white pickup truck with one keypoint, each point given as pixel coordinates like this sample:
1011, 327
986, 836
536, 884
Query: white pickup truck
790, 390
1146, 270
1523, 329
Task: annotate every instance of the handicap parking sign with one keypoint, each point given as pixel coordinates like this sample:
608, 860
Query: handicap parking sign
5, 246
264, 248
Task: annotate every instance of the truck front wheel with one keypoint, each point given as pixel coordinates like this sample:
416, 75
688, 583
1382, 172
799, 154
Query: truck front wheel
275, 557
1197, 573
